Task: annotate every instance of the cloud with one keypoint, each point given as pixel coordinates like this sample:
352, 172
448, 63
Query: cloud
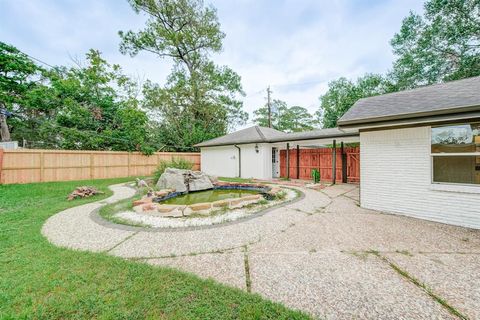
297, 47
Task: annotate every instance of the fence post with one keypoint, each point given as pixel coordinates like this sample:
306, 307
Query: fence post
344, 165
288, 161
42, 167
334, 161
1, 164
298, 161
128, 168
91, 166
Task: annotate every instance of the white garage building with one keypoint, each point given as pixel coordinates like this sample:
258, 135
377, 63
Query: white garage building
419, 151
255, 152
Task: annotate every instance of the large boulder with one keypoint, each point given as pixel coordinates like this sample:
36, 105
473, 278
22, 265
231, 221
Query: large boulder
199, 181
173, 179
184, 180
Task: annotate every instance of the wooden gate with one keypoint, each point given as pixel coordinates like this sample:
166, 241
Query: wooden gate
321, 159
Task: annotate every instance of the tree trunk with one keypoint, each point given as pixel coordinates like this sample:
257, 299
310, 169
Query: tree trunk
4, 132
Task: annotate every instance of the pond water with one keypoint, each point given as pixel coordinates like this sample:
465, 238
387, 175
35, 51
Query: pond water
209, 196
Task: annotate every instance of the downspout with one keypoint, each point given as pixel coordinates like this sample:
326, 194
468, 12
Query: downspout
239, 160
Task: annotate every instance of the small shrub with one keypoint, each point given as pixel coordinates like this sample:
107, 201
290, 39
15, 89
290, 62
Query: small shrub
281, 195
178, 163
316, 176
263, 202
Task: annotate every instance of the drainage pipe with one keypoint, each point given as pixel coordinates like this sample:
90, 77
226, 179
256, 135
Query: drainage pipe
239, 160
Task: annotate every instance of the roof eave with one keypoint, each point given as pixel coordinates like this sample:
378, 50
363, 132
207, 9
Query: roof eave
371, 120
419, 121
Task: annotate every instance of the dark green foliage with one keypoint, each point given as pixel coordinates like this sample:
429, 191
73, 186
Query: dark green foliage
90, 107
200, 100
315, 176
178, 163
284, 118
343, 93
441, 45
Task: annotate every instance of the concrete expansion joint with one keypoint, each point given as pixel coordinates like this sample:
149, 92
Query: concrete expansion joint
122, 242
190, 254
246, 263
420, 285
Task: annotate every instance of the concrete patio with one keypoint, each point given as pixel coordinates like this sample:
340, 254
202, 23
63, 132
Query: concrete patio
323, 254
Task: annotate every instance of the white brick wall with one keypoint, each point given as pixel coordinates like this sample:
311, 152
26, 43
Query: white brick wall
395, 170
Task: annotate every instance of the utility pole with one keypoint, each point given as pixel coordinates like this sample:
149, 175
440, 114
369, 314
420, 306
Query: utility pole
269, 105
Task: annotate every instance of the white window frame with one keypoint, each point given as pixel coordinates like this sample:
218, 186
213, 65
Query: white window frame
451, 186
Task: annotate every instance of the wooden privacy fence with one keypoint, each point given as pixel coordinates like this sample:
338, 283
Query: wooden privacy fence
32, 165
321, 159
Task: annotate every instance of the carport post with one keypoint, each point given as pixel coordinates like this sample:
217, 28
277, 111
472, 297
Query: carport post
298, 161
344, 164
334, 161
288, 161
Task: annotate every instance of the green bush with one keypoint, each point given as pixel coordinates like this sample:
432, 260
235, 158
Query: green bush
316, 176
178, 163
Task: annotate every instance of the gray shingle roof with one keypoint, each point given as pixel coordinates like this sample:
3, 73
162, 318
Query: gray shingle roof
317, 134
450, 97
259, 134
254, 134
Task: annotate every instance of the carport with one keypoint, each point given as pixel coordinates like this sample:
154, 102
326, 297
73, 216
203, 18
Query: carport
261, 153
335, 153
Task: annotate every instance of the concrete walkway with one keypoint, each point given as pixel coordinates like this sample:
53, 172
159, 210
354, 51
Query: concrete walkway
324, 255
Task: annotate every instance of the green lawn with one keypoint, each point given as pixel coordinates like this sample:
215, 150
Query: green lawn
41, 281
241, 180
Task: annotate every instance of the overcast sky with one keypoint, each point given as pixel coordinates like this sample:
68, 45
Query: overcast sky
295, 46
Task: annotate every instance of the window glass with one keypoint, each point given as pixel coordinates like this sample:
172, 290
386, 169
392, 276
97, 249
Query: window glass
456, 138
456, 169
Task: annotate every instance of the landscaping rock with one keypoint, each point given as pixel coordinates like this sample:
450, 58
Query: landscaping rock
166, 208
236, 203
163, 193
252, 197
184, 180
144, 200
199, 181
173, 179
169, 211
213, 179
141, 183
200, 206
83, 192
221, 203
149, 207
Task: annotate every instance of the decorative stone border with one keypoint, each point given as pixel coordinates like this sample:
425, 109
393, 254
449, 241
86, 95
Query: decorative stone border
95, 216
152, 203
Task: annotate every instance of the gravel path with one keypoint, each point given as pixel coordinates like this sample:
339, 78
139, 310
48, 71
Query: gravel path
323, 254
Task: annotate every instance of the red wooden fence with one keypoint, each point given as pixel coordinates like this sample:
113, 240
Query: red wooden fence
321, 159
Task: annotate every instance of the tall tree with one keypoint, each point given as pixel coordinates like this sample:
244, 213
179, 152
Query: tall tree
89, 106
343, 93
284, 118
441, 45
18, 76
200, 100
98, 108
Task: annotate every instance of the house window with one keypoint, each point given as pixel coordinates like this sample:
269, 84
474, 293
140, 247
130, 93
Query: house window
456, 154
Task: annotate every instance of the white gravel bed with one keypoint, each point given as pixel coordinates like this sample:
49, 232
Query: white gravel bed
182, 222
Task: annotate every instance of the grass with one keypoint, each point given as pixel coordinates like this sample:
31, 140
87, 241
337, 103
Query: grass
240, 180
41, 281
108, 211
